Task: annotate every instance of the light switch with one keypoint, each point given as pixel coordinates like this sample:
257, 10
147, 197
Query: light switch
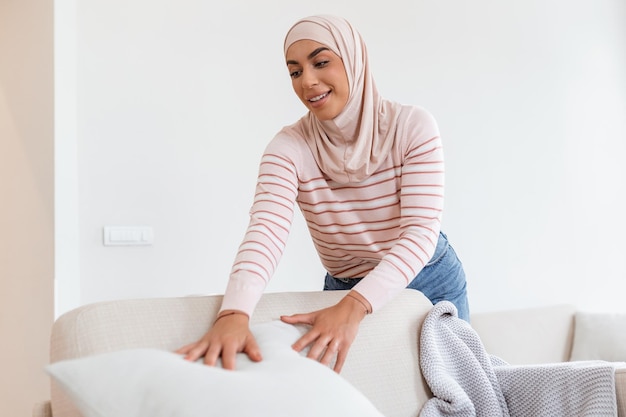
128, 235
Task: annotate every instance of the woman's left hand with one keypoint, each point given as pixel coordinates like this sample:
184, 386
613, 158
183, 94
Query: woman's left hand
333, 329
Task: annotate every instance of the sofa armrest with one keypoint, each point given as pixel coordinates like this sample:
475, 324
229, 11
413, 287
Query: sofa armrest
42, 409
620, 391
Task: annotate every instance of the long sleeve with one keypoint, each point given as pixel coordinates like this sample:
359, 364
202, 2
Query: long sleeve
271, 217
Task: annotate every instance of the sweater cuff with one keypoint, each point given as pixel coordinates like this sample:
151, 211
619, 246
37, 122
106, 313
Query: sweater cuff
242, 296
380, 286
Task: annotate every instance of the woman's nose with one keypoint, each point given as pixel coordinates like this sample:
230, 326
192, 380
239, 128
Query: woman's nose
308, 79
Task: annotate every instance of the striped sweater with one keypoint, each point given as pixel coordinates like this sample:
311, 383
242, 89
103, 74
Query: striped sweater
384, 228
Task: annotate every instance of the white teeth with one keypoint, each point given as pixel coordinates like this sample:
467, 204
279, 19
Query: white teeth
318, 98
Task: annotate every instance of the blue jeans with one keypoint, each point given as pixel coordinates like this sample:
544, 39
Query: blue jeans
443, 278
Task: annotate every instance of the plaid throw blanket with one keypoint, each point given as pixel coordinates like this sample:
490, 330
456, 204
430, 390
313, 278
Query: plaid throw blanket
466, 381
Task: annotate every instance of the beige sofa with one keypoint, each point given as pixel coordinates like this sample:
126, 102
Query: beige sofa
383, 361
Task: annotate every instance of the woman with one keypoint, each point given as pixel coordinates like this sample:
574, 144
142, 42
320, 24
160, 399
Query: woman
367, 174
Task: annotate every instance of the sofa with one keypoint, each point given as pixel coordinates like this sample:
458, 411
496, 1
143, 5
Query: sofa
383, 362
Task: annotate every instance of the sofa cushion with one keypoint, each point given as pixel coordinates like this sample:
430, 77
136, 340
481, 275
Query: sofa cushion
154, 383
599, 336
529, 335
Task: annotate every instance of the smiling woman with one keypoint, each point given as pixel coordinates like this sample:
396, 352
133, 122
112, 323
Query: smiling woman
318, 78
367, 174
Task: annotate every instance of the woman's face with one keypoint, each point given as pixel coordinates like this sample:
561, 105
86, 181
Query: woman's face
318, 77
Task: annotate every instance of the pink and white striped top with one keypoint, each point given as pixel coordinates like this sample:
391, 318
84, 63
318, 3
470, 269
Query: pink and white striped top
384, 228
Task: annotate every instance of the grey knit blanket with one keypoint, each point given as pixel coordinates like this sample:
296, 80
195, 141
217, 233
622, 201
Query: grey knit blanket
466, 381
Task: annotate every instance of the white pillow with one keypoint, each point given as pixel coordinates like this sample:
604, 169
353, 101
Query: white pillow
599, 336
157, 383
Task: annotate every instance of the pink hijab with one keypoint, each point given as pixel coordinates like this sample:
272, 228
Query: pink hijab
352, 146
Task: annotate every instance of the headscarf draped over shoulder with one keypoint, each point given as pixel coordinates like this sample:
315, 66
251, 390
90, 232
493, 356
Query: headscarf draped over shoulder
352, 146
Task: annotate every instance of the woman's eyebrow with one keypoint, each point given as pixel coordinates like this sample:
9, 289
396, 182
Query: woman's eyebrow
310, 56
317, 51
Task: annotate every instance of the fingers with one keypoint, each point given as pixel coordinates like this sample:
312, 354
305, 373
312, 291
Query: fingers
331, 334
212, 353
223, 343
330, 352
322, 348
252, 350
341, 359
308, 318
308, 338
185, 349
318, 348
325, 352
229, 353
194, 351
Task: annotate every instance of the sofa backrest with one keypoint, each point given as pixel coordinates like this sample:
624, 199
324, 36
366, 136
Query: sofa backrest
382, 363
528, 336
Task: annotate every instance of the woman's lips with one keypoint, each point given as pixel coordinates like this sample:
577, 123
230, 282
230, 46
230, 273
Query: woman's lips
319, 100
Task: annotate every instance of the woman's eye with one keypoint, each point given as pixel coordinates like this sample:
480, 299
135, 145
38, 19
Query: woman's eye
294, 74
321, 64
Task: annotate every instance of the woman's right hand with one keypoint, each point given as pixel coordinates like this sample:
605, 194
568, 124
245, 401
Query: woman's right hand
229, 335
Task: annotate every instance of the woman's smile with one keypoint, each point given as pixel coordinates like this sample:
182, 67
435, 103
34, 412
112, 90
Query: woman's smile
319, 100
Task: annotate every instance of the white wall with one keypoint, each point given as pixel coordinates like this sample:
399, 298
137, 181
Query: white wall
176, 101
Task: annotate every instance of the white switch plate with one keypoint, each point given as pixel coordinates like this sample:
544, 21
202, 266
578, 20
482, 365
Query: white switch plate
128, 235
